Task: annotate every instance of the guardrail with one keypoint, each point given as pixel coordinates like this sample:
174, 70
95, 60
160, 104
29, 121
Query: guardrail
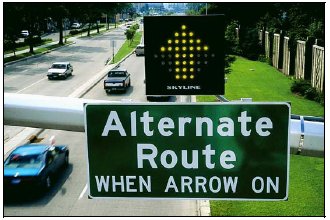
64, 113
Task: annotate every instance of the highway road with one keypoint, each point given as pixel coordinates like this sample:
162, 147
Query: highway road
87, 55
69, 196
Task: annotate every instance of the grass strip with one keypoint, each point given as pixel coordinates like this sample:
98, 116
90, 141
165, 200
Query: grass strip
127, 47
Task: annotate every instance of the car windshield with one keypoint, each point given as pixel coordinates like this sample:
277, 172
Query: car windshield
58, 66
24, 161
117, 74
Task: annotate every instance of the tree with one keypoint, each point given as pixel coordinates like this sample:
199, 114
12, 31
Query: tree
112, 9
58, 11
23, 16
130, 35
11, 27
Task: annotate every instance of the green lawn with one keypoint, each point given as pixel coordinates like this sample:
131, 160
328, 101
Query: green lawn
128, 47
306, 194
262, 82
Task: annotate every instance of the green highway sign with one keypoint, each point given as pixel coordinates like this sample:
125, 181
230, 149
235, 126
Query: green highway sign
184, 55
236, 151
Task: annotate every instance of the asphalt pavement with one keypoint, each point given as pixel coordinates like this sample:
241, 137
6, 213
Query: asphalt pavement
22, 136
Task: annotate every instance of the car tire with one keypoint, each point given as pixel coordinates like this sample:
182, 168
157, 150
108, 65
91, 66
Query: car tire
50, 78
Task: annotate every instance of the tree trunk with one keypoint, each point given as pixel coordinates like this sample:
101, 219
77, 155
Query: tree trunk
89, 29
97, 27
30, 40
60, 26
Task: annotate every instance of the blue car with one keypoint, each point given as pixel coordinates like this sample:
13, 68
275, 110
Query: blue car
33, 166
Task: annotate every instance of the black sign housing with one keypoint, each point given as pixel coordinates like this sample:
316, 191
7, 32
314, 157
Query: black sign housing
184, 55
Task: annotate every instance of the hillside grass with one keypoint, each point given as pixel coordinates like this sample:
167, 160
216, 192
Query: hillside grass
262, 82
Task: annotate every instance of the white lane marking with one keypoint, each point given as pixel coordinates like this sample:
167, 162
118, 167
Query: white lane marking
83, 192
31, 85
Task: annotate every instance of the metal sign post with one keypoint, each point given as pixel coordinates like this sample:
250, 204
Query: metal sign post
236, 151
113, 45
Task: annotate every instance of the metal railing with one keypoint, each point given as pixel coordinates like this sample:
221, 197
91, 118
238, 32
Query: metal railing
64, 113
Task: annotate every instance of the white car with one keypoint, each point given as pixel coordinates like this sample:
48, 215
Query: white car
75, 25
60, 70
139, 50
25, 33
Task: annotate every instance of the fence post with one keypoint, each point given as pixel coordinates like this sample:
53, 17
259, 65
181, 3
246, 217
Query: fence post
276, 50
318, 68
267, 44
300, 60
286, 56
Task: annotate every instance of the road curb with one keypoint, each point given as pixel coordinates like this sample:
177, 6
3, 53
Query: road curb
82, 90
21, 138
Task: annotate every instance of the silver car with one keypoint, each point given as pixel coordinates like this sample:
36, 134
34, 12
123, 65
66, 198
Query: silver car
60, 70
139, 50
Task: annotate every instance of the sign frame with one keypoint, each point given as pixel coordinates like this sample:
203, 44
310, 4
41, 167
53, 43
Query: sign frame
147, 105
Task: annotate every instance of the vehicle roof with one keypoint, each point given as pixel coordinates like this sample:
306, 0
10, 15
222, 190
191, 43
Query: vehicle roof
118, 70
62, 63
30, 149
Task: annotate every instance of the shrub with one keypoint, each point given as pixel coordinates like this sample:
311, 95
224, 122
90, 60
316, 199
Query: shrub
228, 61
231, 38
304, 88
8, 45
264, 59
311, 93
135, 26
35, 40
300, 86
249, 43
73, 32
320, 98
